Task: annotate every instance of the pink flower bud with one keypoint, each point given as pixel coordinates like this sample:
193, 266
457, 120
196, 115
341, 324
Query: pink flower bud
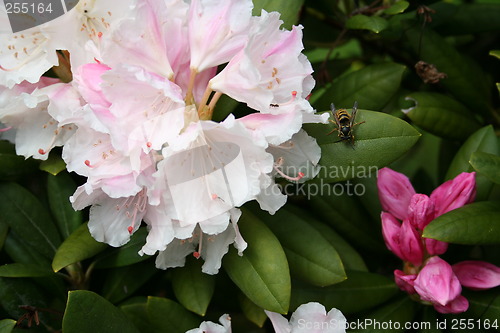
390, 231
455, 193
410, 244
458, 305
437, 283
435, 247
405, 282
395, 192
420, 211
477, 275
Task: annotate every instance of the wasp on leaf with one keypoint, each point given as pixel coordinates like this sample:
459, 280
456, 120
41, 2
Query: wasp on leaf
345, 122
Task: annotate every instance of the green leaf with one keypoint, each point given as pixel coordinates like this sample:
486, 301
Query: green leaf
398, 313
122, 282
138, 314
316, 260
251, 311
23, 270
380, 140
487, 165
28, 219
345, 215
289, 9
484, 305
53, 165
168, 316
495, 53
373, 23
4, 229
466, 17
21, 252
125, 255
193, 288
59, 189
78, 246
262, 272
484, 140
12, 165
441, 115
372, 87
7, 325
397, 8
351, 259
88, 312
465, 79
21, 291
429, 315
373, 289
476, 223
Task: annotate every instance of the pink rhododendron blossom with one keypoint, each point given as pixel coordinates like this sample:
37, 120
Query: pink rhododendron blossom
429, 277
477, 275
395, 192
437, 283
311, 318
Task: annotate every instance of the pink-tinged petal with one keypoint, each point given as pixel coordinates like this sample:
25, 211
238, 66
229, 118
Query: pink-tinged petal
395, 192
410, 243
280, 323
458, 305
312, 318
404, 281
391, 229
437, 283
435, 247
88, 80
477, 275
420, 211
455, 193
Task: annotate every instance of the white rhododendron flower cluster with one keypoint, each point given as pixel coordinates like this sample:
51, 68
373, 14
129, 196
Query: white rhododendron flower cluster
133, 114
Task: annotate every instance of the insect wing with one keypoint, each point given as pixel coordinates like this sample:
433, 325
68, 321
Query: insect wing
353, 114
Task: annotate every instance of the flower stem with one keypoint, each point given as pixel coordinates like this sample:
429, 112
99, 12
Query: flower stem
189, 94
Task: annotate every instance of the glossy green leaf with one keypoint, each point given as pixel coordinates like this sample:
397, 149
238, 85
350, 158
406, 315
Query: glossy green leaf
363, 22
21, 252
7, 325
372, 87
465, 79
484, 140
86, 311
396, 8
484, 305
137, 313
469, 18
351, 259
344, 214
307, 259
78, 246
125, 255
487, 165
441, 115
12, 165
476, 223
289, 9
21, 291
380, 140
399, 313
28, 219
168, 316
59, 189
373, 289
193, 288
23, 270
53, 165
251, 311
4, 229
495, 53
122, 282
262, 272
